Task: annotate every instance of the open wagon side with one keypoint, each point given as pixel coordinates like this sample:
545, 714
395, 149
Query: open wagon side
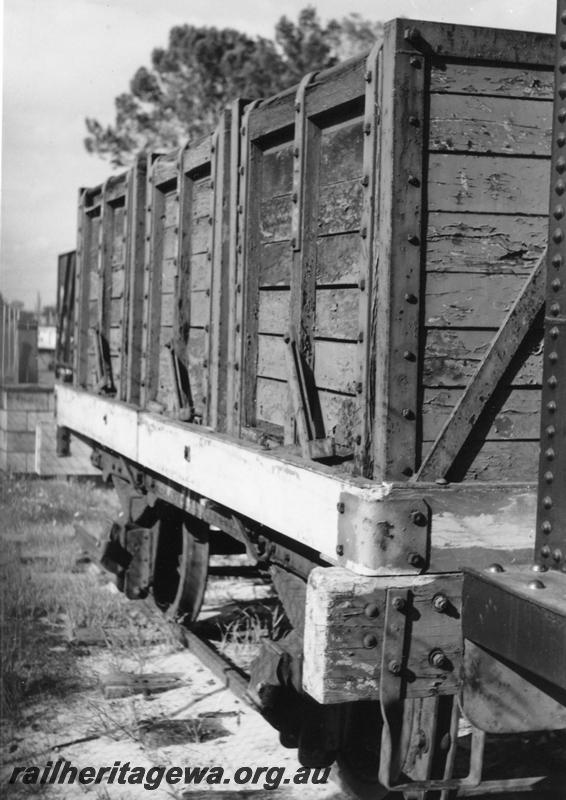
319, 332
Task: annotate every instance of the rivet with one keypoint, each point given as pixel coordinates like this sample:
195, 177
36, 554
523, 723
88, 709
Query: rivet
559, 187
556, 284
367, 128
298, 108
370, 640
536, 584
552, 382
358, 439
236, 366
213, 149
562, 90
550, 431
557, 236
365, 181
296, 152
407, 413
408, 471
554, 333
339, 549
562, 115
241, 169
294, 197
340, 508
240, 209
415, 559
399, 603
440, 603
548, 476
394, 667
368, 76
553, 357
364, 233
561, 139
412, 180
563, 19
239, 288
418, 518
545, 551
555, 309
547, 501
207, 292
558, 212
549, 454
359, 387
237, 327
560, 164
412, 238
557, 554
293, 242
360, 337
205, 363
546, 527
209, 256
362, 284
206, 328
243, 130
495, 568
371, 610
414, 121
408, 356
411, 298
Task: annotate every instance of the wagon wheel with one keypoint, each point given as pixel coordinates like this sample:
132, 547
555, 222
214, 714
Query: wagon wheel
181, 566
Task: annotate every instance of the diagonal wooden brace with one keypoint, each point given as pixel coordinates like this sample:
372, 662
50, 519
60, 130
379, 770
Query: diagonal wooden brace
496, 361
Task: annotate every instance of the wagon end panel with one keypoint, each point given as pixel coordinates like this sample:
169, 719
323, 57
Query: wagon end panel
465, 145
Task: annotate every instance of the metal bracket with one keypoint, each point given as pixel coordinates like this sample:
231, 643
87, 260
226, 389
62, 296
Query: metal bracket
392, 534
299, 156
306, 408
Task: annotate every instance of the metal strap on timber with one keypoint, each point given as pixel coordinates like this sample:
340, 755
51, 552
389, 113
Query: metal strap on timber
182, 397
550, 542
104, 378
497, 360
240, 160
365, 280
80, 334
146, 376
66, 304
306, 408
212, 221
299, 154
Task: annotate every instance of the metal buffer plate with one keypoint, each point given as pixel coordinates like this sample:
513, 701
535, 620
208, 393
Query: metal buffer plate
520, 615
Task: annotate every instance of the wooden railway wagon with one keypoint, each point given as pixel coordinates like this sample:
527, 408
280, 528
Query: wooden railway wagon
319, 331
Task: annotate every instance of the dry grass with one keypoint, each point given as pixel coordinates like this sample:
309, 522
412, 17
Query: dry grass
45, 597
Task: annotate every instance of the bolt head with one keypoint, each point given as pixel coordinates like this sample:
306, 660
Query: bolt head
495, 568
371, 610
394, 667
440, 603
370, 640
339, 549
415, 559
418, 518
536, 585
399, 603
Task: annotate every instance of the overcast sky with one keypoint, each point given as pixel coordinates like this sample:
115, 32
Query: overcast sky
65, 60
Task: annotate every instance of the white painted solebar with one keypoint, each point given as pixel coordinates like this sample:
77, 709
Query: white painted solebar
298, 501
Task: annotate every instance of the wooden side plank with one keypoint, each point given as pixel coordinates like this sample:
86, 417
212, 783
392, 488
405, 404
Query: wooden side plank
475, 124
488, 184
496, 361
480, 79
